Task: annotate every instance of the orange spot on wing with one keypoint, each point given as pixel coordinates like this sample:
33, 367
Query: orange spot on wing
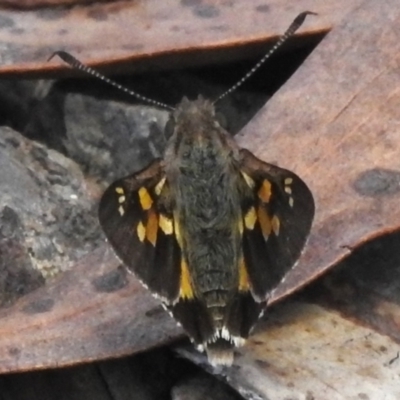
276, 224
186, 291
264, 193
152, 227
265, 222
145, 199
244, 282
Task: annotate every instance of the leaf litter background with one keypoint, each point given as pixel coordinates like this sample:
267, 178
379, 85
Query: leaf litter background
334, 123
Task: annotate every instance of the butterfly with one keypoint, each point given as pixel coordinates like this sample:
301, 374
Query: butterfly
209, 229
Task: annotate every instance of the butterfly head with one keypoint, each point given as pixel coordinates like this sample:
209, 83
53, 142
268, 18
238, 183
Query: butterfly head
195, 131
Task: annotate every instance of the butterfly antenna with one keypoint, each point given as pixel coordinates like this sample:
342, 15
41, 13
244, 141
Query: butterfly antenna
76, 64
297, 22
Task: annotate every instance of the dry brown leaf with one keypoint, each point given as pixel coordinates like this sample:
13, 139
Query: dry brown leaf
137, 35
335, 123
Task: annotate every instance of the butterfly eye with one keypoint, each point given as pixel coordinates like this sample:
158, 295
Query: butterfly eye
221, 119
169, 128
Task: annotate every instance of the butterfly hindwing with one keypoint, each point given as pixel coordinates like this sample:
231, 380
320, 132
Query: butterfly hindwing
277, 222
193, 315
136, 216
242, 314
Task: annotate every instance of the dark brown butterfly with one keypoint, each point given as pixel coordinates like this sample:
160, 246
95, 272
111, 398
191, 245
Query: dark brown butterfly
209, 229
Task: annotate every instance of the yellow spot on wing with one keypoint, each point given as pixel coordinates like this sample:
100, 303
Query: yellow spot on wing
288, 181
121, 199
166, 224
240, 226
250, 218
152, 227
248, 180
121, 210
177, 232
291, 201
186, 291
145, 199
244, 283
264, 193
141, 231
159, 186
265, 222
119, 190
276, 223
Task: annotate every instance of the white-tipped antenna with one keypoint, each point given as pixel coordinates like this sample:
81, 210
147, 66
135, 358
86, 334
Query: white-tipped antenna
76, 64
297, 22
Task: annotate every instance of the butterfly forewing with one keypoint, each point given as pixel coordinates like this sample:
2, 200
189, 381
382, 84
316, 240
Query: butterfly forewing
284, 210
136, 217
